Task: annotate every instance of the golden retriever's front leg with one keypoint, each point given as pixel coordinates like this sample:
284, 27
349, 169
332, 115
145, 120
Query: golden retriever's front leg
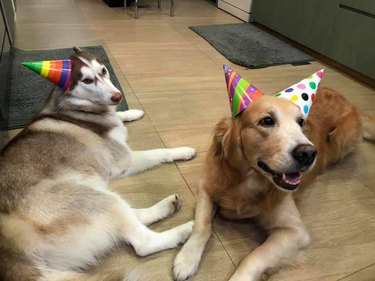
287, 236
188, 259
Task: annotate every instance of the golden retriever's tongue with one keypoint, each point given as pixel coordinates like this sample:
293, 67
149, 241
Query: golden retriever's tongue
291, 179
287, 181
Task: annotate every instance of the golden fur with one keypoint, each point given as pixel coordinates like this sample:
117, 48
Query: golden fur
235, 182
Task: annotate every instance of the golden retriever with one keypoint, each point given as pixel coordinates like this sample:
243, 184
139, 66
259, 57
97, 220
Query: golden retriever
254, 166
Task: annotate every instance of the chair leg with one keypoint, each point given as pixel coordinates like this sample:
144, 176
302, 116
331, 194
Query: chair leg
159, 4
136, 9
171, 13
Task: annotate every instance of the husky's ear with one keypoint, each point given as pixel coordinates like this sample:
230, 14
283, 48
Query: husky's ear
77, 50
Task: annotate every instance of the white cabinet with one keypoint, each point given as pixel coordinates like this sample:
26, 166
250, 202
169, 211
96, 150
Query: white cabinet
238, 8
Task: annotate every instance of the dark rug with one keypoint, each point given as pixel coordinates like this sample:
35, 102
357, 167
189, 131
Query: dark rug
247, 45
27, 91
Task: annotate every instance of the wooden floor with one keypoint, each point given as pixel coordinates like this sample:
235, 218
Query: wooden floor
176, 78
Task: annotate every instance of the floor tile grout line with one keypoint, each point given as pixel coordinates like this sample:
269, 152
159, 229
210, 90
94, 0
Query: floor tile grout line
343, 278
153, 126
119, 69
191, 191
360, 180
218, 237
369, 188
178, 168
201, 51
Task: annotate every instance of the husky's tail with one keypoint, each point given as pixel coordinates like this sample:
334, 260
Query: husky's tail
368, 127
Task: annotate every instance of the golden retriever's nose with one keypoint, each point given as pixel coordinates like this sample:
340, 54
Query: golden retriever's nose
304, 154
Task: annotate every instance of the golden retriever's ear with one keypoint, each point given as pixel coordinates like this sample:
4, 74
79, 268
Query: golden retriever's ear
227, 141
232, 143
219, 132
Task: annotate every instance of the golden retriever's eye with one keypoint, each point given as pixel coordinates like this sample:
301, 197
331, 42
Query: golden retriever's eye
104, 71
87, 80
267, 122
301, 122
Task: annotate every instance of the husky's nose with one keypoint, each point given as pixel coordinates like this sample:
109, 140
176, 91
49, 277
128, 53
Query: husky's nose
116, 97
304, 154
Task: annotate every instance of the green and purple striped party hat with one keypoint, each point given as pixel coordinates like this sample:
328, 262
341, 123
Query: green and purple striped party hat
240, 92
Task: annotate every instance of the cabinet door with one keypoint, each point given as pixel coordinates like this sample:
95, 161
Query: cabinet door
309, 23
342, 30
365, 7
353, 40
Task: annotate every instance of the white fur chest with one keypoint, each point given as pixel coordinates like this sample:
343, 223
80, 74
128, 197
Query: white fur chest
119, 133
121, 160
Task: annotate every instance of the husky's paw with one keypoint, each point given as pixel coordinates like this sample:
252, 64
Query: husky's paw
175, 203
185, 264
169, 206
182, 153
185, 230
130, 115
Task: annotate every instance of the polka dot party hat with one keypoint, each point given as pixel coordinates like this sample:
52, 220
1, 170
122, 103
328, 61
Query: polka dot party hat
240, 92
303, 93
57, 71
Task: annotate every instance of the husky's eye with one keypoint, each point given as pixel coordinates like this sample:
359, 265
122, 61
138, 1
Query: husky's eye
301, 122
104, 71
267, 122
87, 81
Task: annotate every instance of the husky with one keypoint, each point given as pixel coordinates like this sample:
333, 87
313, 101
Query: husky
56, 213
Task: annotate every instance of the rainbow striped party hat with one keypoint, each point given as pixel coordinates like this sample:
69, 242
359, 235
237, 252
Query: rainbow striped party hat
303, 93
241, 93
56, 71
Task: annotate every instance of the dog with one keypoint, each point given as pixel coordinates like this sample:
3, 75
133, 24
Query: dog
56, 214
255, 165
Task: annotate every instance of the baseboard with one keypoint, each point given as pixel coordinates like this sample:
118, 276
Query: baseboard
233, 10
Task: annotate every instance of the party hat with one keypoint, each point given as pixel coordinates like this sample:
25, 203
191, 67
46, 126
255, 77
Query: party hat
57, 71
303, 93
241, 93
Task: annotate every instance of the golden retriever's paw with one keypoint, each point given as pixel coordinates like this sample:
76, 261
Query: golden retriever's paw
185, 264
130, 115
182, 153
